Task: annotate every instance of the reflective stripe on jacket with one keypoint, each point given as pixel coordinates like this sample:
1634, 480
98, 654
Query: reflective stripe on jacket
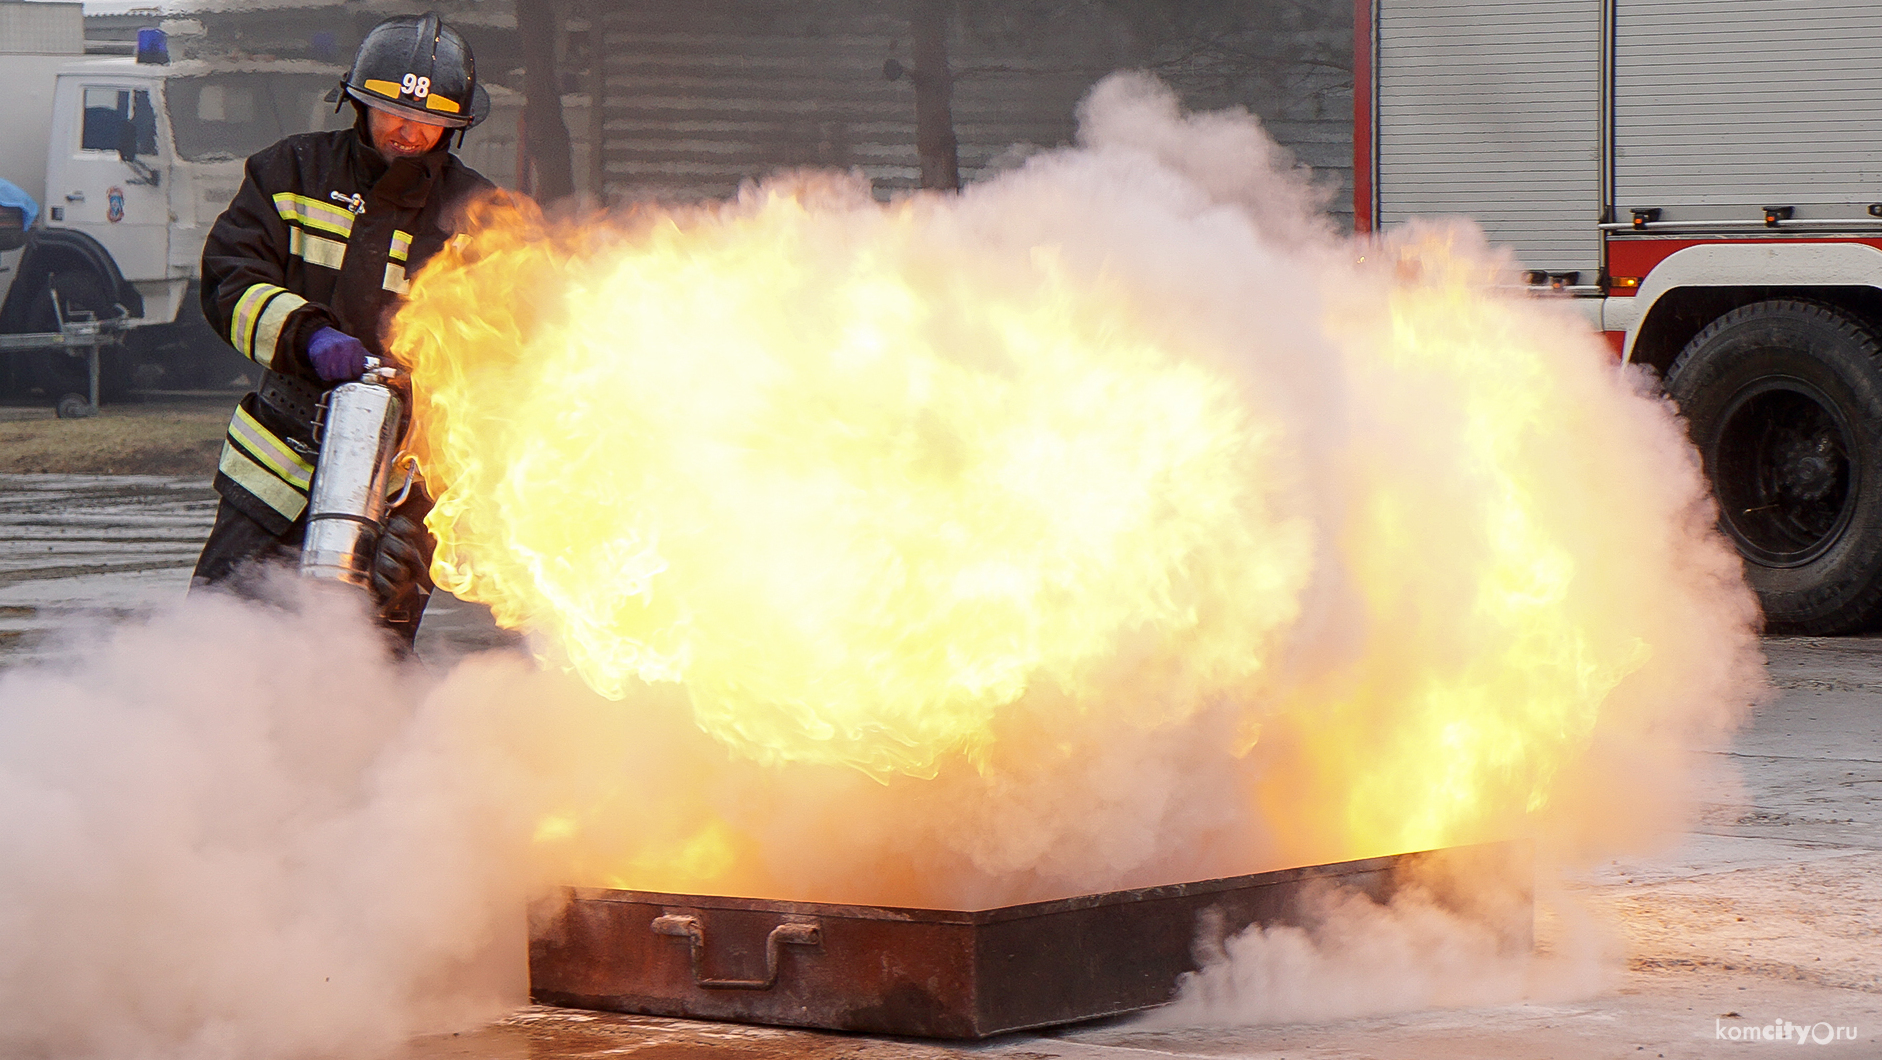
322, 233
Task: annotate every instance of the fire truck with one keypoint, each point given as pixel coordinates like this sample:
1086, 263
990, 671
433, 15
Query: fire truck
1704, 179
129, 159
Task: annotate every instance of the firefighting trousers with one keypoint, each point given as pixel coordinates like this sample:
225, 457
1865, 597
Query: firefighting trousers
241, 555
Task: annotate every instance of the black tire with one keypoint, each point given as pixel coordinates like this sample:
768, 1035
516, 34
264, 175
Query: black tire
1784, 400
75, 407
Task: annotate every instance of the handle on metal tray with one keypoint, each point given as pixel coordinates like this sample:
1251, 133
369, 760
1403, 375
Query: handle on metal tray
682, 926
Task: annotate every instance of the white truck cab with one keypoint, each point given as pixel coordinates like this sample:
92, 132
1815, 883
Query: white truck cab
131, 159
143, 158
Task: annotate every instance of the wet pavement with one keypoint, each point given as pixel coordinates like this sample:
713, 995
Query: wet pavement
76, 548
73, 547
1771, 909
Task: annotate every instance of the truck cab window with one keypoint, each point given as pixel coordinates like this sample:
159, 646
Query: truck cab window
226, 103
109, 110
233, 115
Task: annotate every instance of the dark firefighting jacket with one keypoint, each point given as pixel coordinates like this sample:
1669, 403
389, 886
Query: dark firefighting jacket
323, 233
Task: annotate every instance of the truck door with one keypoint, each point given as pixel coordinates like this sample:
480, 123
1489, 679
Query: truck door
1493, 111
108, 158
1726, 107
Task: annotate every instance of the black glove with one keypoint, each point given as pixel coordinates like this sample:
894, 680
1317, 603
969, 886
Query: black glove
401, 577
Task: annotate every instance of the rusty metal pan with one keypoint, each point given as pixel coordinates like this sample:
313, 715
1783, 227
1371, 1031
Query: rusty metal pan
956, 974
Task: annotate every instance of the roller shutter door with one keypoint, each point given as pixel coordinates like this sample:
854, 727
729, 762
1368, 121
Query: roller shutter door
1723, 107
1491, 109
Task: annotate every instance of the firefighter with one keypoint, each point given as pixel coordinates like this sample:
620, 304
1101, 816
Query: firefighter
302, 274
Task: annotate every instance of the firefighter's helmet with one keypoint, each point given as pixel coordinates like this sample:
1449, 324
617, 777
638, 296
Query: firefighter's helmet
417, 67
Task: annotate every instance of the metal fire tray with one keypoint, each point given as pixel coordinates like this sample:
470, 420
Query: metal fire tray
952, 974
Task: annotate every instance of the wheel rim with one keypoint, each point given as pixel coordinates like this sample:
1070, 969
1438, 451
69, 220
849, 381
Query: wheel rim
1786, 485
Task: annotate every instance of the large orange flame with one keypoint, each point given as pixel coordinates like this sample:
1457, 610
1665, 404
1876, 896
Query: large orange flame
938, 490
854, 508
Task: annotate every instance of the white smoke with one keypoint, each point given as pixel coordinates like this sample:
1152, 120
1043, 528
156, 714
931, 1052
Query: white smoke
1358, 958
232, 831
1463, 928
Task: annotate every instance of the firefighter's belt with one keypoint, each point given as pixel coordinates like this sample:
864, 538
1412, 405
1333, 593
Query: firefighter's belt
295, 399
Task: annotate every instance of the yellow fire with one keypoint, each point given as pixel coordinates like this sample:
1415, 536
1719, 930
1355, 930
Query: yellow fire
853, 499
1497, 615
880, 491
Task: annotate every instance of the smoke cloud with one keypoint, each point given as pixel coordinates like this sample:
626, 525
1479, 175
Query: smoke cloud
232, 831
1465, 586
1465, 927
1357, 958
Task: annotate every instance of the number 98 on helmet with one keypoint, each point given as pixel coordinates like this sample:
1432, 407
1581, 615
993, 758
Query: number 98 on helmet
420, 69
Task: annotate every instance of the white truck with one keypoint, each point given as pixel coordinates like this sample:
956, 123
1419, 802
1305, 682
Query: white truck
130, 159
1704, 177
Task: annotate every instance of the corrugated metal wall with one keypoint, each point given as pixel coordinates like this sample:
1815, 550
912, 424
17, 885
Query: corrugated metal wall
1723, 107
698, 98
1491, 109
695, 97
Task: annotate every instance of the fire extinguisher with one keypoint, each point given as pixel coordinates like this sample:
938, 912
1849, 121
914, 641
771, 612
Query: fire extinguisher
358, 430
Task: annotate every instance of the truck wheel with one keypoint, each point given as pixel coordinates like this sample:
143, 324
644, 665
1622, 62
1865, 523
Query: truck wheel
80, 291
1784, 400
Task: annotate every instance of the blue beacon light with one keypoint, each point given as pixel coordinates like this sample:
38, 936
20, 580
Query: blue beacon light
153, 47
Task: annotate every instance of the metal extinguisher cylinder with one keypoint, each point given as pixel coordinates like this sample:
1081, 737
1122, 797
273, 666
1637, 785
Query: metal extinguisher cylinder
358, 434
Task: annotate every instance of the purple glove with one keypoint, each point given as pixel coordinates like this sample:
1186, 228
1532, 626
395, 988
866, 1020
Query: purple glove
336, 355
